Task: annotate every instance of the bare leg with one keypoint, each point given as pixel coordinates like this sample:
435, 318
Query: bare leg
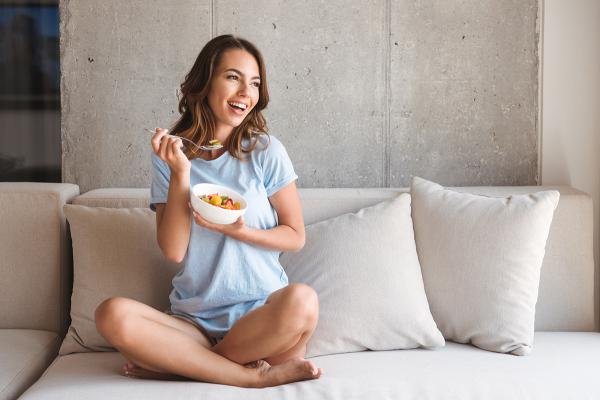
276, 332
132, 370
133, 329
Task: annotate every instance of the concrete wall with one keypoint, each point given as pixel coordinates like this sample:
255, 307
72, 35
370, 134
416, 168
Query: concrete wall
386, 89
571, 99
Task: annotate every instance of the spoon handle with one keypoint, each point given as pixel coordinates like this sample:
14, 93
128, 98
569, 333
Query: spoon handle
190, 141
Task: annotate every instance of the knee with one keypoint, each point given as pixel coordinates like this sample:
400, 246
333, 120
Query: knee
300, 307
111, 318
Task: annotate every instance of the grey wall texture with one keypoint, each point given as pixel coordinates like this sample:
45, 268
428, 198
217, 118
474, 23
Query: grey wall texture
363, 94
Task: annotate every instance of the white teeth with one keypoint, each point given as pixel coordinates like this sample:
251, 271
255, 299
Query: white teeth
240, 105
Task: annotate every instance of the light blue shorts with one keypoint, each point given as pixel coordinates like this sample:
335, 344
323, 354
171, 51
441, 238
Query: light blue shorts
215, 323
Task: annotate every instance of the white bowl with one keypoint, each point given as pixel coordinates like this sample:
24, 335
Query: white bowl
214, 214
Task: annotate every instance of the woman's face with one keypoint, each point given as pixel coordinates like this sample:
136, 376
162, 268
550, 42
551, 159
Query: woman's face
236, 81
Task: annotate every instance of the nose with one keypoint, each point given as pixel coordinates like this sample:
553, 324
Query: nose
243, 92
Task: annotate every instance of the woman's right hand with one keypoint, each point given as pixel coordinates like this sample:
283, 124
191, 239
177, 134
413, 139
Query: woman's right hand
168, 149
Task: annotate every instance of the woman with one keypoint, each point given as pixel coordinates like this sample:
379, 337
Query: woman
233, 318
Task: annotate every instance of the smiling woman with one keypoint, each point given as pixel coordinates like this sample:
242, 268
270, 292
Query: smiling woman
234, 318
227, 85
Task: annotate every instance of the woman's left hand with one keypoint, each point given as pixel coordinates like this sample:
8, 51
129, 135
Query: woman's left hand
237, 230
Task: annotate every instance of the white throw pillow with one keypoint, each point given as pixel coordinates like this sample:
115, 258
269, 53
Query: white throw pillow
365, 269
481, 259
115, 253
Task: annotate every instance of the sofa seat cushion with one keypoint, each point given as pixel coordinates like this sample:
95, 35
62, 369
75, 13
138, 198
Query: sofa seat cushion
24, 355
563, 365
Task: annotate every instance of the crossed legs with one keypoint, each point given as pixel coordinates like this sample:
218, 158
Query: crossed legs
271, 339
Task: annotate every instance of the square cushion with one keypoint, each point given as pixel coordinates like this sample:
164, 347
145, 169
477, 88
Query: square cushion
481, 258
24, 356
365, 269
115, 253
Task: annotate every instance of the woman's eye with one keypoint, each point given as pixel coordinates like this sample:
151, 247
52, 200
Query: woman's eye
231, 76
256, 84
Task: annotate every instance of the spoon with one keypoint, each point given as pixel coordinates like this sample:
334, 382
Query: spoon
205, 148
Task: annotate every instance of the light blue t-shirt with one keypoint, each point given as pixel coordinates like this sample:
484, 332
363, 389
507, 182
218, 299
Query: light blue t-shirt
224, 278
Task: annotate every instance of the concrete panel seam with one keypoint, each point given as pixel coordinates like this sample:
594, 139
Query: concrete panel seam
64, 47
540, 116
387, 54
212, 18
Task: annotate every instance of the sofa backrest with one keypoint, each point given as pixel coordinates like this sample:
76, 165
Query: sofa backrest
35, 256
566, 299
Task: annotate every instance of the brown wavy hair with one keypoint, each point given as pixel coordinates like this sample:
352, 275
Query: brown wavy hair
197, 121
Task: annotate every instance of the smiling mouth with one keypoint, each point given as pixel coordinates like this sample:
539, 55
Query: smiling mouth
236, 110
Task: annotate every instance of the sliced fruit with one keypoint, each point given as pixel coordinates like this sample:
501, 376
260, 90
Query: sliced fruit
215, 200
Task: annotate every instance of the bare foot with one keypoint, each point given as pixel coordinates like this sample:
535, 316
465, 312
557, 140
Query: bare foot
296, 369
253, 364
132, 370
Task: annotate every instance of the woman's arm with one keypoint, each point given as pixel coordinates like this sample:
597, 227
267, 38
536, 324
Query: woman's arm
288, 235
173, 222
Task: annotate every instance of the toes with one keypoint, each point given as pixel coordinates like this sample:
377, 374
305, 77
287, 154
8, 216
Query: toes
128, 366
129, 374
131, 370
311, 367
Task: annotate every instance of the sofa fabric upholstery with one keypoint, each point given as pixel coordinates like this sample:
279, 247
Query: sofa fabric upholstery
568, 266
35, 260
365, 269
115, 253
481, 258
25, 355
34, 243
564, 365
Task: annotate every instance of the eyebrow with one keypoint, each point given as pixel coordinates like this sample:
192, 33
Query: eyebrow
235, 70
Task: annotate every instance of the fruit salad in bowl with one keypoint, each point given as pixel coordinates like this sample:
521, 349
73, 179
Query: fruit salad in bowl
217, 204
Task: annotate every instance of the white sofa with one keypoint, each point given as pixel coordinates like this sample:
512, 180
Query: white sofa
36, 267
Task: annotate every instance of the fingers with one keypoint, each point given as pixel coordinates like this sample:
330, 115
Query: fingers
160, 143
194, 213
165, 146
174, 147
157, 139
202, 222
169, 148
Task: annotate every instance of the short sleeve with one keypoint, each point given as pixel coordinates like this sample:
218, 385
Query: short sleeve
161, 175
278, 170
